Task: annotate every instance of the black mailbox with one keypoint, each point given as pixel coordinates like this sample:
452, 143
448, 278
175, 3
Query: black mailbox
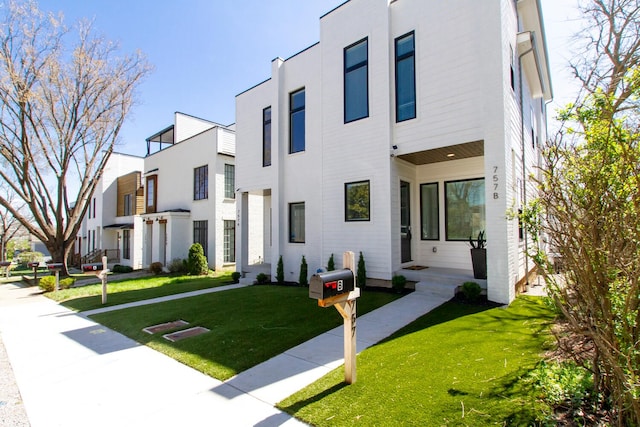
89, 268
55, 266
5, 263
331, 283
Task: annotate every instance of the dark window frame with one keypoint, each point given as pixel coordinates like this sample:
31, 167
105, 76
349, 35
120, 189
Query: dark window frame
294, 112
151, 183
422, 212
201, 234
446, 210
266, 142
201, 182
351, 218
293, 239
354, 68
229, 241
127, 204
398, 61
229, 181
126, 244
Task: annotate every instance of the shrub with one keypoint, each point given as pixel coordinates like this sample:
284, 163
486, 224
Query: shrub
48, 283
302, 279
235, 276
563, 382
471, 291
398, 282
26, 257
262, 279
331, 265
155, 268
121, 269
177, 265
361, 275
280, 272
197, 262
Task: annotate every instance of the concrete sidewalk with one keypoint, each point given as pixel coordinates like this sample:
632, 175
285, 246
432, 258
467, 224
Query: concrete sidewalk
72, 371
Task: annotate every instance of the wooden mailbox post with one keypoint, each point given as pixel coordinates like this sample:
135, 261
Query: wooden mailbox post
100, 270
56, 267
7, 267
337, 288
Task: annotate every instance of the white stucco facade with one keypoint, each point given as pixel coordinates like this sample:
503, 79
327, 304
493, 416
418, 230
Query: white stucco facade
481, 87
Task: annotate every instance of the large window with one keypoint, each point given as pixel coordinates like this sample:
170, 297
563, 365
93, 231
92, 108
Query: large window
296, 222
201, 234
464, 208
229, 181
357, 201
266, 137
151, 199
356, 81
296, 121
201, 183
429, 212
229, 241
126, 244
405, 78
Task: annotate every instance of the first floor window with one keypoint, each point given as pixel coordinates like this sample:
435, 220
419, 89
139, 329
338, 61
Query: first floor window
296, 222
464, 208
126, 244
200, 235
357, 201
429, 212
229, 241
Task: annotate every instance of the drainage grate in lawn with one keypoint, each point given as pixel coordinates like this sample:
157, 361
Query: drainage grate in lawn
165, 326
187, 333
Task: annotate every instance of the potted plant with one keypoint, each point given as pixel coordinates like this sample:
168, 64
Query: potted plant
479, 256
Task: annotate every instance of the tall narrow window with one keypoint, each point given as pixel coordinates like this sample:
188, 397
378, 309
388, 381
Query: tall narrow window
356, 81
296, 222
128, 204
266, 137
201, 183
201, 235
151, 199
126, 244
296, 121
229, 241
429, 212
229, 181
405, 78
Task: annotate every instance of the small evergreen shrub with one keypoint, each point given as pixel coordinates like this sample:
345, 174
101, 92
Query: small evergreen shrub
197, 262
156, 268
471, 291
361, 275
398, 282
262, 279
48, 283
177, 265
235, 276
121, 269
280, 272
302, 279
331, 265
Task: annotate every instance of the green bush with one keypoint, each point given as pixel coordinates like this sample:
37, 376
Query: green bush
235, 276
361, 275
303, 278
331, 265
121, 269
262, 279
561, 383
280, 272
27, 257
196, 262
398, 282
156, 268
471, 291
48, 283
177, 265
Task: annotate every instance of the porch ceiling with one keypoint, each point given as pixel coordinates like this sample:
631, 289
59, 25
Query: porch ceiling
445, 154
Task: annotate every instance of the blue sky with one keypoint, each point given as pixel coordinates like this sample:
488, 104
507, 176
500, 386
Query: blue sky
205, 52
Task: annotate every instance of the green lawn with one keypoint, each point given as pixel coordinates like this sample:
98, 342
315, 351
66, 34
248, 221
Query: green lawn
89, 297
459, 365
247, 325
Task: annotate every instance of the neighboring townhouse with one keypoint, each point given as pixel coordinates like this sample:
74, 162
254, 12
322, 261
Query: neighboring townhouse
409, 127
190, 192
112, 226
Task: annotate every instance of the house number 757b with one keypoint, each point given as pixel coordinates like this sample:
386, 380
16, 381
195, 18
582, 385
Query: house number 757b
496, 183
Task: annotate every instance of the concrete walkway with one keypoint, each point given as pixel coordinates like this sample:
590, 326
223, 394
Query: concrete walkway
72, 371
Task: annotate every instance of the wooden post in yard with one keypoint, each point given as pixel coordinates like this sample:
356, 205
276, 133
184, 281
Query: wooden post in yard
103, 276
347, 310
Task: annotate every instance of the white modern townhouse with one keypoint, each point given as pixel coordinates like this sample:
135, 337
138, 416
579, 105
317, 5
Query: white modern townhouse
409, 127
112, 226
189, 196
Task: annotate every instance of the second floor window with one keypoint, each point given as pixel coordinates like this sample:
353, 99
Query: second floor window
128, 204
356, 81
405, 78
296, 121
151, 196
201, 183
229, 181
266, 137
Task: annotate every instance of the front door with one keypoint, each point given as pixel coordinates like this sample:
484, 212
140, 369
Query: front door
405, 222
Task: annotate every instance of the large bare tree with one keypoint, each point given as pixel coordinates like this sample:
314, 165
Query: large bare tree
64, 95
10, 227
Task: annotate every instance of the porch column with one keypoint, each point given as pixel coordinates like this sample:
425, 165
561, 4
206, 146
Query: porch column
242, 231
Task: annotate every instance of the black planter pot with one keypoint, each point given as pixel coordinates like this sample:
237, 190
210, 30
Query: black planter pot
479, 261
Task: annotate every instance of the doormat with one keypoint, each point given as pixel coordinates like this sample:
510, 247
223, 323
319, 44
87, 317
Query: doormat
416, 267
187, 333
165, 326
